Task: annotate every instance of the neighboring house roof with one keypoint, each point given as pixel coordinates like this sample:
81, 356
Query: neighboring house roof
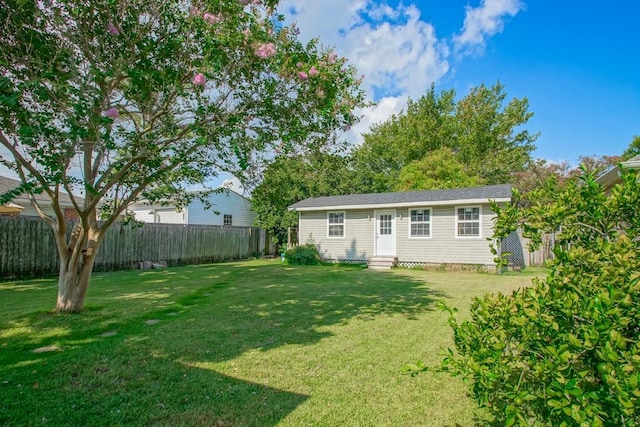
8, 184
226, 189
498, 193
612, 176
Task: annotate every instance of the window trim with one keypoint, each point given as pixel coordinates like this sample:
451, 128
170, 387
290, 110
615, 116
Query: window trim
410, 222
479, 221
344, 224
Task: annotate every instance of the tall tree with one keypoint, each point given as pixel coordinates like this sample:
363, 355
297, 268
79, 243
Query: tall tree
490, 137
426, 125
290, 179
485, 132
633, 149
437, 170
130, 99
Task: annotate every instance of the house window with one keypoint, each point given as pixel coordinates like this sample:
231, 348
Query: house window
335, 224
420, 223
227, 220
468, 221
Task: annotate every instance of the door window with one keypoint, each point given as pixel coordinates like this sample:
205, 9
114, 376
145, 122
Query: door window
385, 224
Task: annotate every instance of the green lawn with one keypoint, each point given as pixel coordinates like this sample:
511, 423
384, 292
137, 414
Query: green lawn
246, 343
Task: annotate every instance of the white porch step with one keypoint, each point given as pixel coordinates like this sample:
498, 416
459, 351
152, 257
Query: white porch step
382, 262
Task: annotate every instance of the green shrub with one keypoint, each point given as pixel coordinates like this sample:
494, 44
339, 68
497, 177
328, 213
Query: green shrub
565, 351
303, 255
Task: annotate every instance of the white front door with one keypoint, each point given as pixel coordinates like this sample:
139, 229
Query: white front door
386, 232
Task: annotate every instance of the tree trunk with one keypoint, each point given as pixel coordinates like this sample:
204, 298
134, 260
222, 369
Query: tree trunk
76, 266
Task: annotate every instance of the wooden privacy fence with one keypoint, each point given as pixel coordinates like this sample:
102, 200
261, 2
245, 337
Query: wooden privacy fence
28, 249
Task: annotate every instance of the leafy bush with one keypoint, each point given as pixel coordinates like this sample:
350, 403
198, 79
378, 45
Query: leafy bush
565, 351
306, 254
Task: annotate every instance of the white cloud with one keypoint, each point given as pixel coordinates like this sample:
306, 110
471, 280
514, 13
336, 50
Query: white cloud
482, 22
398, 53
396, 50
380, 112
326, 19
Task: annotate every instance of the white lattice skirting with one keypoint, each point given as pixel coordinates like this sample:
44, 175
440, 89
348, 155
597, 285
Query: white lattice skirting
412, 264
446, 266
345, 261
425, 265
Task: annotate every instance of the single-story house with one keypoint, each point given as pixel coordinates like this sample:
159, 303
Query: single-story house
412, 228
611, 176
227, 208
21, 205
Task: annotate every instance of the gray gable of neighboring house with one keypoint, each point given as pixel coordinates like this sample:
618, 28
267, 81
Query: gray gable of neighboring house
227, 203
499, 193
223, 202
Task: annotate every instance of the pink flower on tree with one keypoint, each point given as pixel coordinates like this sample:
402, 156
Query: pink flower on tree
302, 75
112, 113
245, 2
199, 79
266, 50
313, 72
211, 18
299, 65
113, 30
332, 58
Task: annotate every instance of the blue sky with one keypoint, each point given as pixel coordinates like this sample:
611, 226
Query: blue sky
577, 62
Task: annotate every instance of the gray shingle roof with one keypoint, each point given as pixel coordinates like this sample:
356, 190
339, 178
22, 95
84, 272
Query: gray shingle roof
8, 184
490, 192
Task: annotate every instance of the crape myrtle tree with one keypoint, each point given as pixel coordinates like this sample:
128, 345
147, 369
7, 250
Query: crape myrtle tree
120, 100
542, 180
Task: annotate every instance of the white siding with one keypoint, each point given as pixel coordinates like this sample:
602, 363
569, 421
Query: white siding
357, 243
225, 203
441, 247
142, 213
444, 246
169, 215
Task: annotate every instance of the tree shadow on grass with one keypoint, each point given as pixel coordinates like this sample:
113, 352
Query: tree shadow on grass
112, 388
267, 307
145, 373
